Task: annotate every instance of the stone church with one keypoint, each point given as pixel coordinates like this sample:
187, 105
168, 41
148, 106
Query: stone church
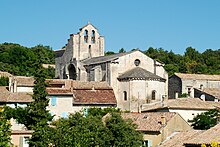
135, 78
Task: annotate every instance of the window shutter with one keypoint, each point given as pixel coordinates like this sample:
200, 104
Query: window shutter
21, 141
64, 114
53, 101
149, 143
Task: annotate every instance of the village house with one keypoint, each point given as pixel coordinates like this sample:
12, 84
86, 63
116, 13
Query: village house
208, 94
193, 138
188, 108
207, 137
181, 83
135, 78
177, 139
157, 126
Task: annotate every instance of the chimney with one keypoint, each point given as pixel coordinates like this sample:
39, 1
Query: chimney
163, 120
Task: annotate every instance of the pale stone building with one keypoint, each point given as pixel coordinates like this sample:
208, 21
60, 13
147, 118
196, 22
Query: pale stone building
181, 83
136, 79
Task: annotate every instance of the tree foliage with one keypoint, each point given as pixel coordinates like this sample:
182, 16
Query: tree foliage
20, 60
5, 129
85, 131
4, 81
192, 61
205, 120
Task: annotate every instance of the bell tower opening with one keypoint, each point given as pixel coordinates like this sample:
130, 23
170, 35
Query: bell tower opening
72, 72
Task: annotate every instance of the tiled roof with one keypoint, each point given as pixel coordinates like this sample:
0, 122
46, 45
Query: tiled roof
59, 53
139, 73
151, 121
183, 103
24, 81
102, 59
5, 74
211, 135
48, 65
22, 97
213, 91
90, 85
179, 138
59, 91
198, 76
16, 132
94, 96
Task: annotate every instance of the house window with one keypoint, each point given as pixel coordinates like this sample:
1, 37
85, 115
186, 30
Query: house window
201, 87
53, 101
189, 91
137, 62
147, 143
64, 114
153, 95
125, 95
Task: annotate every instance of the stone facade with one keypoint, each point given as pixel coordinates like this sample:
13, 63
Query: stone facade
181, 83
135, 78
85, 44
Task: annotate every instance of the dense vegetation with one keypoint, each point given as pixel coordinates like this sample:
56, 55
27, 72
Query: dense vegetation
5, 129
205, 120
4, 81
191, 61
20, 60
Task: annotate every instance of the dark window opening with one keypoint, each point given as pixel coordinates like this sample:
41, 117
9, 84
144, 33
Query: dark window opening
86, 36
72, 72
93, 36
153, 95
125, 95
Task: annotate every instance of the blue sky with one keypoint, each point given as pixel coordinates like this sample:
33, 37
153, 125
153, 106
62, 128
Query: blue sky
170, 24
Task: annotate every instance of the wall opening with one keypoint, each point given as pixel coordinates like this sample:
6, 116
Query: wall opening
72, 72
125, 95
153, 95
86, 36
93, 36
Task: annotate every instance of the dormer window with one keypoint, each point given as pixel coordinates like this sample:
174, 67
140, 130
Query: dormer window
86, 36
93, 36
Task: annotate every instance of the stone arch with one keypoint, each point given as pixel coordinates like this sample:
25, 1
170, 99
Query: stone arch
72, 72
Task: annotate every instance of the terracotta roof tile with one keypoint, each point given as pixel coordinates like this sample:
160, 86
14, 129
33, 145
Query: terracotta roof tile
24, 81
59, 91
94, 96
140, 73
150, 121
15, 132
198, 76
183, 103
5, 74
179, 138
90, 85
213, 91
212, 134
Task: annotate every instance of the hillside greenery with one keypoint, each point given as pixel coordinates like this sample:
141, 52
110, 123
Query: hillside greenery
192, 61
20, 60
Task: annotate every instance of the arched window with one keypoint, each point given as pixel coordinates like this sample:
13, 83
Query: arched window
125, 95
72, 72
86, 36
153, 95
93, 36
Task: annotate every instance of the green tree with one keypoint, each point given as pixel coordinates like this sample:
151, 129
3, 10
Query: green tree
122, 50
92, 130
5, 129
205, 120
109, 53
3, 81
123, 132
